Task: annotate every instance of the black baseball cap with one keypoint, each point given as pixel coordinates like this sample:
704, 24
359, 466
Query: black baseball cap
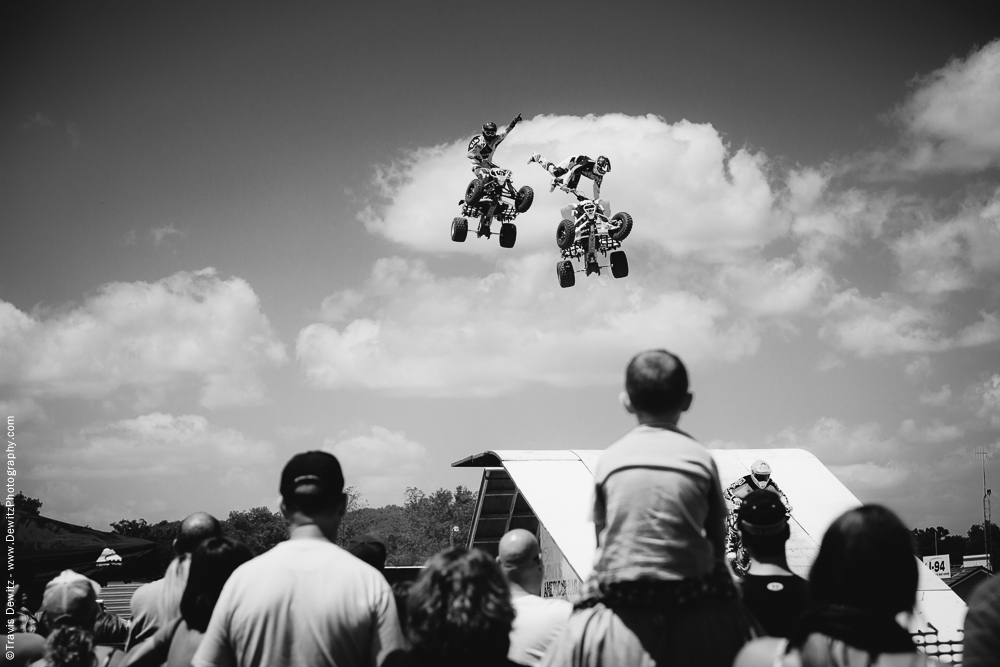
369, 547
312, 474
762, 513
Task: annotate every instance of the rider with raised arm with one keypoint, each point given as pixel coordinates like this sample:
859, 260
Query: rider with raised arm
568, 172
482, 145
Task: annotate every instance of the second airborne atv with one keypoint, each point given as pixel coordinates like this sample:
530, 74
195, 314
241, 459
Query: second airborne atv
586, 234
490, 198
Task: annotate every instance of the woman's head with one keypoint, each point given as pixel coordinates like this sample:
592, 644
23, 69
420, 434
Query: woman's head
70, 600
460, 607
211, 564
866, 561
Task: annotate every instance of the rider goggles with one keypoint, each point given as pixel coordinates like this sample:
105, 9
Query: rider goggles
761, 478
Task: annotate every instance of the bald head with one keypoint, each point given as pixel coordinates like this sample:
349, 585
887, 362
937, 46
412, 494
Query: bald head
194, 529
656, 382
520, 560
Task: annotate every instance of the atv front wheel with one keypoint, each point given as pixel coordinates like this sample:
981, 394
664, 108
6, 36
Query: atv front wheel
566, 274
508, 235
523, 199
474, 192
565, 234
619, 264
459, 229
621, 226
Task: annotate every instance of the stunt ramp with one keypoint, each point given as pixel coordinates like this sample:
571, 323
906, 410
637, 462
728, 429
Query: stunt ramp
551, 493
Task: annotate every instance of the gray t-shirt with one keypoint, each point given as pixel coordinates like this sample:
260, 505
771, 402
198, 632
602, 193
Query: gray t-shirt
538, 622
658, 507
304, 602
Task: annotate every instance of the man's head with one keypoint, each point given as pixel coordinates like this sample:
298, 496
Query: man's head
763, 525
521, 560
656, 386
312, 491
760, 473
489, 130
371, 548
195, 529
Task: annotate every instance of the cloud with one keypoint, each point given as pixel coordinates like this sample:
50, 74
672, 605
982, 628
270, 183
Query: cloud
38, 119
944, 256
950, 119
887, 324
380, 463
422, 334
686, 189
988, 395
937, 398
147, 337
160, 234
153, 445
935, 433
777, 287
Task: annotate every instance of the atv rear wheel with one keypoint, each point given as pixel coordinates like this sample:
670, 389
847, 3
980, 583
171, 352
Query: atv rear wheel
459, 229
566, 274
508, 235
565, 234
621, 226
619, 264
474, 192
523, 199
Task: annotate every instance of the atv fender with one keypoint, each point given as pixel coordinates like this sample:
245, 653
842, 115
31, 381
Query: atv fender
567, 212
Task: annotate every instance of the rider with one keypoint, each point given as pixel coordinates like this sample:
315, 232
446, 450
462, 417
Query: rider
759, 478
482, 145
568, 172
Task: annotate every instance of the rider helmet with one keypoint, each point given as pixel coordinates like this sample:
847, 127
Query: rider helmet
760, 473
489, 130
602, 166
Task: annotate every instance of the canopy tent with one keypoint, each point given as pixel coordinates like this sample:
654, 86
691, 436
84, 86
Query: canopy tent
45, 547
550, 493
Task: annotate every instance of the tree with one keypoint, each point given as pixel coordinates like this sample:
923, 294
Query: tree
27, 504
258, 527
163, 533
953, 545
976, 543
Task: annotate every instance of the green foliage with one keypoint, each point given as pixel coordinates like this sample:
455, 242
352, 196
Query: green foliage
163, 533
976, 543
418, 529
27, 504
259, 528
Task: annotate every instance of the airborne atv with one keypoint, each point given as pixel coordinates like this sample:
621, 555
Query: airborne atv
487, 198
584, 232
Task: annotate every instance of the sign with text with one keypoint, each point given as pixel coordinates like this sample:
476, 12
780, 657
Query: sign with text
939, 565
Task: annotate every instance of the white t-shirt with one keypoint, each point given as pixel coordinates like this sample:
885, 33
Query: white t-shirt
304, 602
539, 621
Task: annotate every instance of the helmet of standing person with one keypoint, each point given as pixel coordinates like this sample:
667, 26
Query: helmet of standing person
489, 130
603, 165
760, 473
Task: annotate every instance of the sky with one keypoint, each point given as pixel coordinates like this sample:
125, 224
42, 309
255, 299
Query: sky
226, 240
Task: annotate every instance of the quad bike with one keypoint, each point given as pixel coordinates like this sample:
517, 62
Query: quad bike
586, 232
486, 199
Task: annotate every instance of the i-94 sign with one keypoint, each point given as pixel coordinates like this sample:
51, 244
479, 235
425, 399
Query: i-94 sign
939, 565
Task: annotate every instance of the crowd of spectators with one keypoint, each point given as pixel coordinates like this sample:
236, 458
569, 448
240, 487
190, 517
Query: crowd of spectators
661, 592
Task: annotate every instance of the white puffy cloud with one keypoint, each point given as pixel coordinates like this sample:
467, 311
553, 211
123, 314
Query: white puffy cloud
988, 395
889, 325
951, 118
160, 234
148, 337
153, 445
951, 255
379, 463
937, 398
419, 333
777, 287
935, 433
686, 189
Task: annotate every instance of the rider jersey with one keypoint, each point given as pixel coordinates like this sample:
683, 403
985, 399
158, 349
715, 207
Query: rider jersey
481, 148
742, 487
580, 165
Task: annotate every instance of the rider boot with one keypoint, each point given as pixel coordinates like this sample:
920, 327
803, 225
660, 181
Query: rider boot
535, 157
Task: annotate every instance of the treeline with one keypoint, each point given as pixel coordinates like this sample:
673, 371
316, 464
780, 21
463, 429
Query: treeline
956, 546
415, 531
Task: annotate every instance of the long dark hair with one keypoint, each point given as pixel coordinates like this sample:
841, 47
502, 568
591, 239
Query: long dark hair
70, 646
459, 609
866, 561
211, 564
